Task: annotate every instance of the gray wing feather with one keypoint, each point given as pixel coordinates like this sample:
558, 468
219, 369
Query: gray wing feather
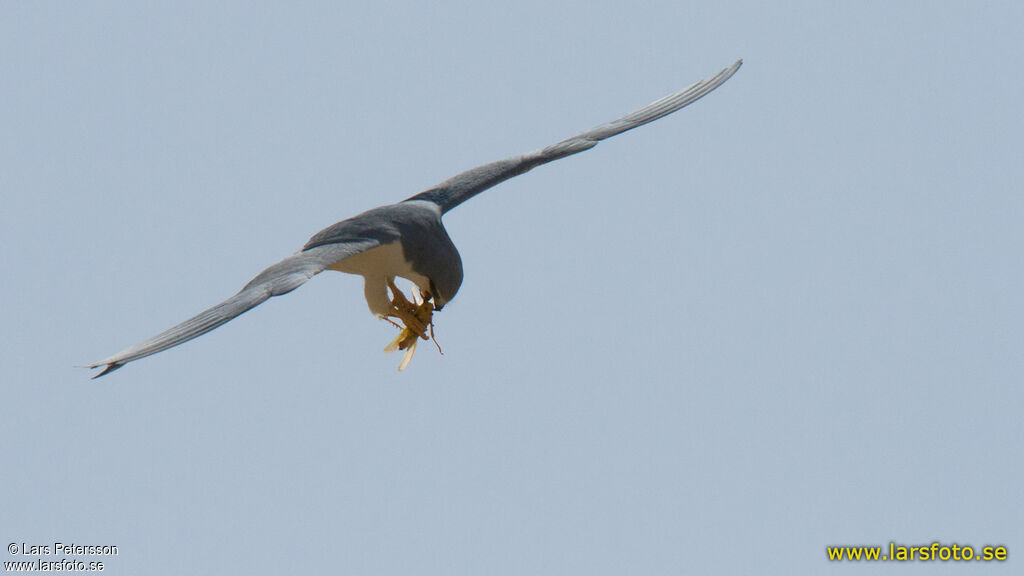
464, 186
281, 278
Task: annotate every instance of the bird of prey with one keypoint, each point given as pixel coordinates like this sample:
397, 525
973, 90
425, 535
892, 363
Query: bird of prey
406, 240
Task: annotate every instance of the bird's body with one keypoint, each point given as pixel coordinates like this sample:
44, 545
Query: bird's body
404, 231
406, 240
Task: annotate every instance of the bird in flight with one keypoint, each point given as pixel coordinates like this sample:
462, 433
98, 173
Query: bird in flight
406, 240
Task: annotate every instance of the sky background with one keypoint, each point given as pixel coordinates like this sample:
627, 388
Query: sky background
786, 317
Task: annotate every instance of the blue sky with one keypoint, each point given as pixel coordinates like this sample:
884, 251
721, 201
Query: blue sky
786, 317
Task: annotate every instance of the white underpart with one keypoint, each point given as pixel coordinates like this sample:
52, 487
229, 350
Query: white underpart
377, 266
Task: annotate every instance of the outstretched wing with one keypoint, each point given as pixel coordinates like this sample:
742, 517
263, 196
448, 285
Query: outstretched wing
281, 278
464, 186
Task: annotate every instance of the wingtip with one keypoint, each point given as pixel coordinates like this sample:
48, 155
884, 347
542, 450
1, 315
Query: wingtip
110, 368
724, 74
